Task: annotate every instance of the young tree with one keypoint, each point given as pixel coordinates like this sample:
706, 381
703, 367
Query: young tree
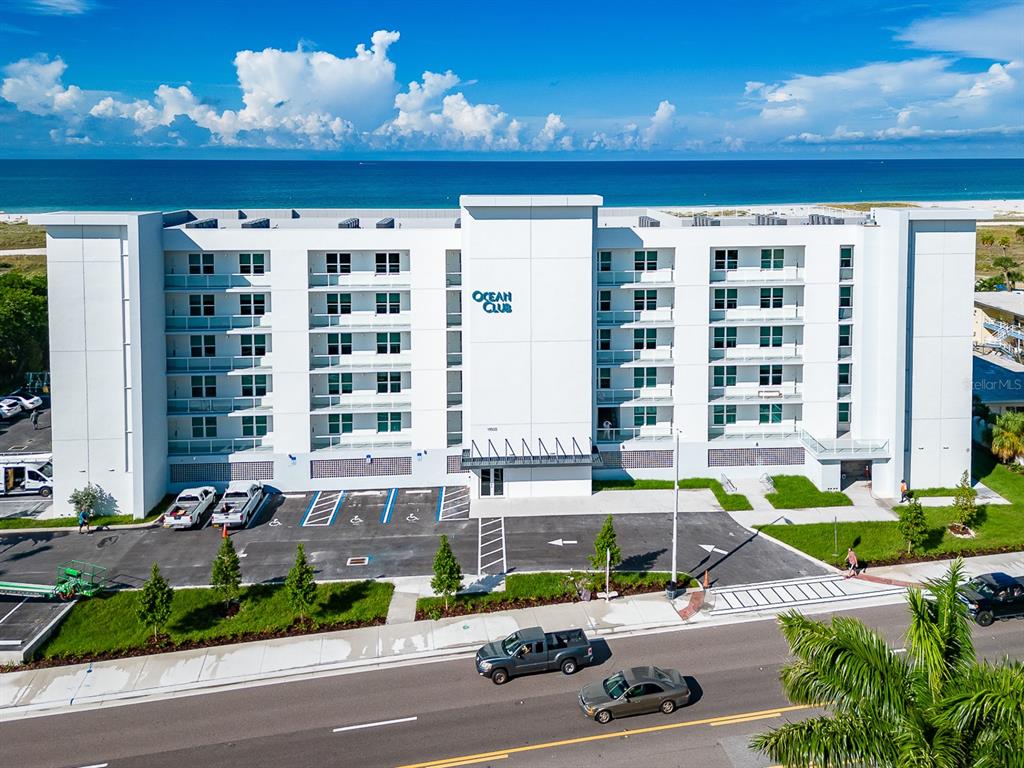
1004, 243
300, 584
86, 499
154, 606
913, 525
227, 572
606, 542
963, 502
986, 238
1019, 233
447, 572
1007, 267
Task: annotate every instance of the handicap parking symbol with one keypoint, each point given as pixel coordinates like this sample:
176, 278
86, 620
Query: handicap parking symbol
356, 520
274, 522
412, 517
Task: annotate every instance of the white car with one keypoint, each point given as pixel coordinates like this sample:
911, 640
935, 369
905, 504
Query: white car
27, 402
238, 504
9, 408
188, 509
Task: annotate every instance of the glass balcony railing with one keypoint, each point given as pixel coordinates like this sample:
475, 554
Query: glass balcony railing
361, 280
362, 401
789, 312
611, 318
208, 446
621, 434
369, 361
360, 320
208, 405
215, 322
175, 281
218, 363
656, 356
753, 393
360, 440
757, 276
657, 394
754, 353
649, 277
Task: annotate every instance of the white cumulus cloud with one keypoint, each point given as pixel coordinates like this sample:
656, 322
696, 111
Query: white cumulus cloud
35, 86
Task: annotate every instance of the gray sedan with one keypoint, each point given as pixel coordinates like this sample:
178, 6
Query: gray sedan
635, 691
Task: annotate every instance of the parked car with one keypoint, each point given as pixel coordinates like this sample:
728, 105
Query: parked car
188, 509
534, 650
9, 408
635, 691
25, 473
27, 401
238, 504
992, 596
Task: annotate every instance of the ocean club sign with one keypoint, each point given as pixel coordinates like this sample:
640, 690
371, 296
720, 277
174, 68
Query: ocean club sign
494, 302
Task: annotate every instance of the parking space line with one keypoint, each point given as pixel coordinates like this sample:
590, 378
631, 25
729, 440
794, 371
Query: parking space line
324, 509
375, 725
13, 610
389, 506
309, 509
440, 501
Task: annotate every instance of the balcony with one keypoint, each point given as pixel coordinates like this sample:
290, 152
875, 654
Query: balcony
755, 276
845, 448
753, 432
644, 318
454, 439
752, 393
846, 273
785, 315
640, 434
631, 358
361, 402
659, 395
752, 353
175, 323
845, 313
361, 281
454, 399
454, 319
845, 352
220, 364
184, 282
218, 446
360, 441
637, 278
360, 361
235, 406
453, 279
368, 320
844, 390
454, 359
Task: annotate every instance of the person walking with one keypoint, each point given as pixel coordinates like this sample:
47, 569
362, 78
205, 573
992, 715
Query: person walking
34, 418
851, 561
83, 520
903, 491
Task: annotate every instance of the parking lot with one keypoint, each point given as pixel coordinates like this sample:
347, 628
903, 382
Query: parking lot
21, 622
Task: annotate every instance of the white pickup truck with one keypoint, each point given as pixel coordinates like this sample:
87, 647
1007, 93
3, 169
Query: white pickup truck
238, 504
188, 509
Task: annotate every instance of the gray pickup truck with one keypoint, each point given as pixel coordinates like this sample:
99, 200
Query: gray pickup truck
534, 650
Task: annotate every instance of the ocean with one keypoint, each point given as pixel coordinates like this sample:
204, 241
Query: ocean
42, 185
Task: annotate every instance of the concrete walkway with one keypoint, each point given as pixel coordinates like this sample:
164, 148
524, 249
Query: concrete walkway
865, 507
23, 252
610, 502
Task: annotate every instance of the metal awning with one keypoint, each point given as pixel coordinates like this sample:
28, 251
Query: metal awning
508, 455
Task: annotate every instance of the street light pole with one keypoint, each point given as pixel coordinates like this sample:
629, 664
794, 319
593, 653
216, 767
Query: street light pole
675, 503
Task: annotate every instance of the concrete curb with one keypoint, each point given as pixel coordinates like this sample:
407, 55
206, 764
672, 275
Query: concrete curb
821, 563
69, 528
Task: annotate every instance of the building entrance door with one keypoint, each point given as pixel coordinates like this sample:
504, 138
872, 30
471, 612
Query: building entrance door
492, 482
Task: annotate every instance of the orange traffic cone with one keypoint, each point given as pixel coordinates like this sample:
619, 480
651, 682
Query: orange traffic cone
224, 531
707, 581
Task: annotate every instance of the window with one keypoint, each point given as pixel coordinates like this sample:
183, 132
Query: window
604, 261
723, 376
645, 417
388, 263
769, 413
492, 482
604, 339
645, 377
773, 258
200, 263
723, 414
845, 373
843, 412
339, 344
604, 301
769, 375
845, 296
604, 378
651, 689
725, 298
389, 303
771, 336
339, 383
723, 338
339, 423
254, 426
645, 261
771, 298
200, 305
204, 386
645, 338
389, 382
339, 303
389, 343
251, 263
252, 304
254, 386
389, 422
726, 259
845, 256
643, 300
204, 426
202, 346
254, 344
339, 263
845, 335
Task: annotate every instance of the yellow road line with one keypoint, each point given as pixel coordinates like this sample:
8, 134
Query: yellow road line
503, 753
732, 720
473, 761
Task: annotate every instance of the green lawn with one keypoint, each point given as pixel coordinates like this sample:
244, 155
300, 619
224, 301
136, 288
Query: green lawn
1001, 526
29, 266
21, 236
630, 484
920, 493
106, 624
732, 502
72, 522
797, 492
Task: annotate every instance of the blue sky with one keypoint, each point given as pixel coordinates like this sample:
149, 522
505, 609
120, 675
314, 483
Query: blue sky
567, 80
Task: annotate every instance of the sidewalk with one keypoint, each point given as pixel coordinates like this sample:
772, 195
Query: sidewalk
865, 507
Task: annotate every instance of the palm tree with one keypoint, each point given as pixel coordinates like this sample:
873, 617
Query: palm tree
935, 707
987, 238
1006, 266
1008, 435
1019, 233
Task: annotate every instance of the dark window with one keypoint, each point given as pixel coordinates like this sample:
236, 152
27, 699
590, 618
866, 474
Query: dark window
389, 343
845, 256
771, 298
388, 263
645, 261
339, 263
389, 303
253, 345
643, 300
204, 386
604, 301
339, 303
252, 304
202, 346
645, 338
339, 344
604, 261
251, 263
770, 375
723, 338
254, 386
201, 305
845, 335
389, 382
204, 426
725, 298
200, 263
726, 258
604, 339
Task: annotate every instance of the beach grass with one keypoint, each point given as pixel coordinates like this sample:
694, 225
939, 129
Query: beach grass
986, 254
21, 236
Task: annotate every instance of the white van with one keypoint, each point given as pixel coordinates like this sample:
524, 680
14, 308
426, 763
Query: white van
27, 473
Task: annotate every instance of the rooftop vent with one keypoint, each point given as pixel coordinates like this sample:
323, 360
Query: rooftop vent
263, 223
352, 223
201, 224
769, 220
818, 218
177, 218
648, 221
458, 223
700, 220
386, 223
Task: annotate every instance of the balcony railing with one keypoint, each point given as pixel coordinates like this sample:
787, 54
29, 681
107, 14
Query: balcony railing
846, 273
215, 322
754, 353
787, 313
656, 356
844, 447
362, 401
628, 278
751, 431
361, 280
454, 398
369, 361
454, 319
178, 282
205, 405
207, 446
453, 279
360, 440
454, 439
635, 318
360, 320
756, 276
453, 359
754, 393
658, 394
844, 390
845, 352
219, 363
621, 434
845, 313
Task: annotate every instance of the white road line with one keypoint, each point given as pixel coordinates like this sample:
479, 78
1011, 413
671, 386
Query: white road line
374, 725
96, 765
13, 610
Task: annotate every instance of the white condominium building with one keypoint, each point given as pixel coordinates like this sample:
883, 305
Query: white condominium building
520, 345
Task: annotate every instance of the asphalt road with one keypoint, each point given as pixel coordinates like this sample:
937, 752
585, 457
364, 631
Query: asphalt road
443, 715
398, 537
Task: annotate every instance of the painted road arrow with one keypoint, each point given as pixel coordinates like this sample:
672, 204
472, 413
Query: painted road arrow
560, 542
712, 548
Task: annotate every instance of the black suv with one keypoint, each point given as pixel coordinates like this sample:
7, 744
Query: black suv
992, 596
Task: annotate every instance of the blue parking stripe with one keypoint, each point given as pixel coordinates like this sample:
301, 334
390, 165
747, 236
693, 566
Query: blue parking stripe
440, 501
310, 507
337, 506
389, 505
